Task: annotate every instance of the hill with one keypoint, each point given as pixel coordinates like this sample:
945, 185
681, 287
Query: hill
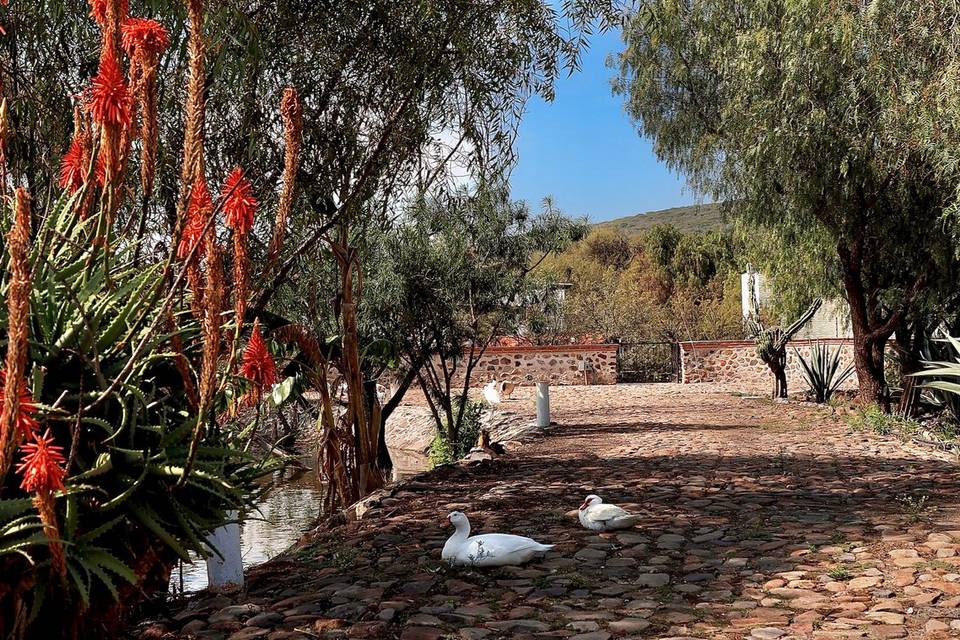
698, 218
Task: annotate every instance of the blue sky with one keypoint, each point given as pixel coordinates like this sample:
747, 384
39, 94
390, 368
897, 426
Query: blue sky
583, 150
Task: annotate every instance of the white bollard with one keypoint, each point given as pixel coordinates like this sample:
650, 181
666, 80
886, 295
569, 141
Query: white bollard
225, 571
543, 404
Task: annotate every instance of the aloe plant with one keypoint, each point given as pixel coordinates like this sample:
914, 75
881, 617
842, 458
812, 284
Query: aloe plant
822, 372
120, 449
105, 382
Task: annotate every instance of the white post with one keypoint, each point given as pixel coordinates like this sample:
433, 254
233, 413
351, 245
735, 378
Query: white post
543, 404
227, 571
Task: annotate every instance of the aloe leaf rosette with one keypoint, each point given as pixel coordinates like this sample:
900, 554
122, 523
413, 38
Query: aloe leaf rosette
103, 383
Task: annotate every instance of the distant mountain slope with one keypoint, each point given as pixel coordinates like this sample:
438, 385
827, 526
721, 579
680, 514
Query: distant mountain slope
698, 218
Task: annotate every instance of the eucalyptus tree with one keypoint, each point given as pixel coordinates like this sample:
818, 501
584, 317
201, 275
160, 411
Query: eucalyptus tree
832, 120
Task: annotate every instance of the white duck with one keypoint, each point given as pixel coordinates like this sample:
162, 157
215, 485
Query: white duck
491, 394
488, 549
596, 515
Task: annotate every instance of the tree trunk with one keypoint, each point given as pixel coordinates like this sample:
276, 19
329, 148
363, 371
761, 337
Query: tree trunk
869, 341
374, 412
368, 475
869, 367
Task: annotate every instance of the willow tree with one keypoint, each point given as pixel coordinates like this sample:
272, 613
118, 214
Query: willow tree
824, 118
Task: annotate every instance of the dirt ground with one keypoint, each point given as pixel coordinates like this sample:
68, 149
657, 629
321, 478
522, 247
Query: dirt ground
760, 520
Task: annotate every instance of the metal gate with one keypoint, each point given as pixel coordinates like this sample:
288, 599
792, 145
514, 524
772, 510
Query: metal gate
648, 362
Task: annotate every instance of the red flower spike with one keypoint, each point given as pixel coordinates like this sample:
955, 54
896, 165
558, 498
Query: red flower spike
72, 167
110, 99
25, 422
198, 212
142, 34
239, 203
258, 366
41, 465
98, 10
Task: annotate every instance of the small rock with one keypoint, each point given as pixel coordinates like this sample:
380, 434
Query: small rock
628, 626
421, 633
653, 580
861, 584
267, 619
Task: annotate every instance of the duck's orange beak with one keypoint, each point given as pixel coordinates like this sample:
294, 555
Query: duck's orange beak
584, 505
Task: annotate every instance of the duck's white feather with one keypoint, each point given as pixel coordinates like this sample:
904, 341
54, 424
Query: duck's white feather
495, 550
489, 549
607, 517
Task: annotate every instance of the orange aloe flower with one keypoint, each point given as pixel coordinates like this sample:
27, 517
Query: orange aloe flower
258, 366
25, 423
239, 202
73, 167
110, 99
145, 35
98, 10
198, 212
41, 465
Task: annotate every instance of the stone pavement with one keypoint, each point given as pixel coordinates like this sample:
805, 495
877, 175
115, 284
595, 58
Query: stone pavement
761, 520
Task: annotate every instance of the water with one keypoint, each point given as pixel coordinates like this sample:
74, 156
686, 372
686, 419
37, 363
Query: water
285, 513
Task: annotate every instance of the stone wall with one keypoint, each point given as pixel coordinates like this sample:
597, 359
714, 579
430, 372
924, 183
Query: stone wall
556, 364
737, 362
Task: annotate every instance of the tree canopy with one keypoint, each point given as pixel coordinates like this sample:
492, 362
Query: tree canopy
827, 119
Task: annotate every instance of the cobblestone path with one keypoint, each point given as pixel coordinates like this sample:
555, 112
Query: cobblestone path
761, 520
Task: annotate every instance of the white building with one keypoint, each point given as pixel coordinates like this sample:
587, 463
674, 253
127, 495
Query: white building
830, 321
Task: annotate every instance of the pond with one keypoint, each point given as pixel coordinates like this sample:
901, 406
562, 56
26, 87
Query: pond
285, 514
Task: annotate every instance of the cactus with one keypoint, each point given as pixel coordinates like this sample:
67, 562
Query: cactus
772, 342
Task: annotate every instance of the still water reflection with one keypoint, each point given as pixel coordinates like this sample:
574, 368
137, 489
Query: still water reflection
285, 514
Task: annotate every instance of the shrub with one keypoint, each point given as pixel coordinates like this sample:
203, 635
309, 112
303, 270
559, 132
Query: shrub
443, 452
873, 418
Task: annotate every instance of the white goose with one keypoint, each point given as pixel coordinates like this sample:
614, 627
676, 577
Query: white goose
596, 515
488, 549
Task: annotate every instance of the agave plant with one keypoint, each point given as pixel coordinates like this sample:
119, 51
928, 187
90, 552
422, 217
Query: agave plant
942, 376
822, 372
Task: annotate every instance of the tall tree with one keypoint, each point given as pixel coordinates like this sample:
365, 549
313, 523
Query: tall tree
394, 100
819, 116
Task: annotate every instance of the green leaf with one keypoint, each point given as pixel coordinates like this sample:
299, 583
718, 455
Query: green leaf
151, 521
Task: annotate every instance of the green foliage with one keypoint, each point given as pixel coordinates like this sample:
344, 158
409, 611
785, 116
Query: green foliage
873, 418
107, 388
840, 572
914, 508
453, 274
443, 451
669, 286
820, 123
660, 244
822, 372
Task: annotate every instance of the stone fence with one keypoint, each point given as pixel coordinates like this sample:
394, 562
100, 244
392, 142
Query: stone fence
737, 362
557, 364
